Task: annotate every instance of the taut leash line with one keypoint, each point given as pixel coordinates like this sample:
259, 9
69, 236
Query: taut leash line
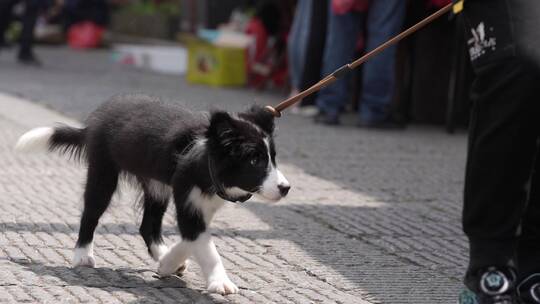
276, 111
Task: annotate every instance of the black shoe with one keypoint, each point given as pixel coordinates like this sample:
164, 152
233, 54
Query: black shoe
529, 290
383, 124
327, 119
29, 59
490, 285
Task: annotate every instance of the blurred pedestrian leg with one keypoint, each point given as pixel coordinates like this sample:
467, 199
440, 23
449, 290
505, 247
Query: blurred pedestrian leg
298, 41
341, 37
384, 20
305, 51
29, 19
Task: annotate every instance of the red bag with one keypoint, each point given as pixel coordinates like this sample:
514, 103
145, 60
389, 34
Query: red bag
85, 35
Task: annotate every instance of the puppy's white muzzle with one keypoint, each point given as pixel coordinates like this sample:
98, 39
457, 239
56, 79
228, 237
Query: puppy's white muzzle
275, 186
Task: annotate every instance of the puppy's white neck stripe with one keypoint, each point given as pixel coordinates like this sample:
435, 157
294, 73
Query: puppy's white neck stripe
193, 151
195, 148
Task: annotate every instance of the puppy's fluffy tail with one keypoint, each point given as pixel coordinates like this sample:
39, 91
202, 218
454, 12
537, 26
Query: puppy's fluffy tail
65, 139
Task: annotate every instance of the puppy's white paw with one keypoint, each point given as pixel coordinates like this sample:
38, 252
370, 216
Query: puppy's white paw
222, 285
83, 257
167, 267
158, 251
180, 271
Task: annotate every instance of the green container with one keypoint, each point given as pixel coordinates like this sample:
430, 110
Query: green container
215, 65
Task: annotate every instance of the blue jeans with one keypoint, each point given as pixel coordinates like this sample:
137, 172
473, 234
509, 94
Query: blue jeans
298, 41
384, 20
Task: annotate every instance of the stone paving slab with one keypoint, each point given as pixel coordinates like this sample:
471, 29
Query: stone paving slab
373, 217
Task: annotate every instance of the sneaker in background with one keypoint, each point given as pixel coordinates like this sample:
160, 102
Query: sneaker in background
491, 285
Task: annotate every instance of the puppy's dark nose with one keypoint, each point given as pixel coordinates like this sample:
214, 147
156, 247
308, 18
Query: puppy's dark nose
284, 189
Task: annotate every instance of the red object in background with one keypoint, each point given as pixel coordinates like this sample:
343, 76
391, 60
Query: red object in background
257, 56
341, 7
85, 35
438, 3
255, 28
265, 63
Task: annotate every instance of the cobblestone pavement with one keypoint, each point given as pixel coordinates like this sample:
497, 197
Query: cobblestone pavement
373, 217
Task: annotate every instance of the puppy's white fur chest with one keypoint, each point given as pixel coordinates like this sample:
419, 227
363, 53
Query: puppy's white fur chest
159, 191
207, 205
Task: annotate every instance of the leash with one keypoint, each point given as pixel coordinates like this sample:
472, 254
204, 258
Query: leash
276, 111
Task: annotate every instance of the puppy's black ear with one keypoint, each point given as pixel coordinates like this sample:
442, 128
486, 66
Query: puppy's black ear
261, 117
221, 123
222, 129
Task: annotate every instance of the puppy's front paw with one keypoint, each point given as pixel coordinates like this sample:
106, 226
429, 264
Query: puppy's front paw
83, 258
167, 268
222, 285
180, 271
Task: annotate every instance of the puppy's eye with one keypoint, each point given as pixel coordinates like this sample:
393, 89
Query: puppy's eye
254, 161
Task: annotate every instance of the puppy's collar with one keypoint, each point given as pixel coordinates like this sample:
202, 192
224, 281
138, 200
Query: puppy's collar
234, 199
220, 190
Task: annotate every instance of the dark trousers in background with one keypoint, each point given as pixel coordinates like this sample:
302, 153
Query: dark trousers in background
306, 44
29, 18
384, 20
501, 214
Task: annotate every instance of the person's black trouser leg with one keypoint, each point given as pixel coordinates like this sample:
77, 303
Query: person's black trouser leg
528, 250
505, 126
502, 148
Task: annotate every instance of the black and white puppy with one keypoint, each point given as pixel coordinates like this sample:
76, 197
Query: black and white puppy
200, 159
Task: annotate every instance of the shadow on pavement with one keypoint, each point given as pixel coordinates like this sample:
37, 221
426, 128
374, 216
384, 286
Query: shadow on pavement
376, 251
141, 283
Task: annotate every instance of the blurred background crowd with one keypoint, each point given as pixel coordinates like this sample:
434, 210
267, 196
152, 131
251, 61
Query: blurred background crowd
282, 46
